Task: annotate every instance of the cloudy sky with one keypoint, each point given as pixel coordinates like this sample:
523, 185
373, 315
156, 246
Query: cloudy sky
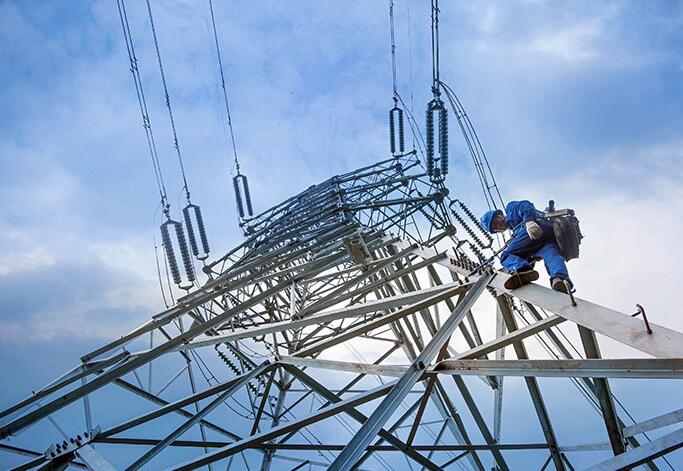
576, 101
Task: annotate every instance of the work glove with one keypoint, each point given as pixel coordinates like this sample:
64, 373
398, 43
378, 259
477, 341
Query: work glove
534, 230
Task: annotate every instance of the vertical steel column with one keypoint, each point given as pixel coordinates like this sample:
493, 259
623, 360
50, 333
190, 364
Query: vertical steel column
532, 386
604, 394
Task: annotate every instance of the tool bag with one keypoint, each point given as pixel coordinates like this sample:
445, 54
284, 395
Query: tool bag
566, 229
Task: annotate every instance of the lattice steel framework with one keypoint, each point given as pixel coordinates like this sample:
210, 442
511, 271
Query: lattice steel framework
377, 262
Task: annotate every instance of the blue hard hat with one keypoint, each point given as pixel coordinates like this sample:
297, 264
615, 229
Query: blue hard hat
487, 218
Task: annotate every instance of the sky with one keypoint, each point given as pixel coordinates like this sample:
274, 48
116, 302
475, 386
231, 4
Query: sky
579, 102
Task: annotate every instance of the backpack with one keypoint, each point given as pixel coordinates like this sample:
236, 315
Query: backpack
566, 229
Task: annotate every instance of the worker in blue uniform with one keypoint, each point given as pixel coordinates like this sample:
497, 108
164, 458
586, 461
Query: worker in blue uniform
533, 239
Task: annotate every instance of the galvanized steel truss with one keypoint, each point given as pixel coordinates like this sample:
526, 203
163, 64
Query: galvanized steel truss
356, 262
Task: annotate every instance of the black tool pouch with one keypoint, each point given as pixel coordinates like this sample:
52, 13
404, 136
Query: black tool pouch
566, 229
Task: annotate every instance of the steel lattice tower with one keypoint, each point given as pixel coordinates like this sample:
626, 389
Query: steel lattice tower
379, 262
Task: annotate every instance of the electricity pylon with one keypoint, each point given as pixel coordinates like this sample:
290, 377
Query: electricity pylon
341, 334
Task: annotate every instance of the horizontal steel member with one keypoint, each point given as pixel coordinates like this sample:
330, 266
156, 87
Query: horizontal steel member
593, 368
642, 454
654, 423
622, 368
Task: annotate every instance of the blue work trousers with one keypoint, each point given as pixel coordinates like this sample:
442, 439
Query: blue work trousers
522, 252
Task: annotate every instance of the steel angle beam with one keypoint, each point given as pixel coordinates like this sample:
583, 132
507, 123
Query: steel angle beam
637, 368
350, 367
93, 459
191, 422
262, 437
662, 343
604, 393
651, 368
132, 364
642, 454
179, 404
355, 310
76, 374
508, 339
180, 411
352, 452
654, 423
384, 320
361, 418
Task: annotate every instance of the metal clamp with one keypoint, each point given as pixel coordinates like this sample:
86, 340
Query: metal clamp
641, 310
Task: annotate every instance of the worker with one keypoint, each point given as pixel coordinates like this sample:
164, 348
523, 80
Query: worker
533, 239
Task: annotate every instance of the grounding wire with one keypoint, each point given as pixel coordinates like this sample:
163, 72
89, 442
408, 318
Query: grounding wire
142, 102
176, 144
414, 129
156, 259
477, 149
223, 87
473, 153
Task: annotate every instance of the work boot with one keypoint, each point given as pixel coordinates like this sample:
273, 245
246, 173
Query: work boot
521, 278
560, 285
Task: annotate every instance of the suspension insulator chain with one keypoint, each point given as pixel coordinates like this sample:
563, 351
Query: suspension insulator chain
396, 118
469, 230
169, 249
477, 252
474, 219
443, 140
430, 143
247, 197
242, 195
437, 174
238, 197
192, 215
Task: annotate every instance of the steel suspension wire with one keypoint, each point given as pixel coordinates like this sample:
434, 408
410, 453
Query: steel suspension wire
223, 87
146, 122
435, 47
410, 54
191, 213
396, 142
240, 182
168, 102
393, 50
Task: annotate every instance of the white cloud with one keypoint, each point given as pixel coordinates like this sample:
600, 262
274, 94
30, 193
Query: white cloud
26, 261
576, 43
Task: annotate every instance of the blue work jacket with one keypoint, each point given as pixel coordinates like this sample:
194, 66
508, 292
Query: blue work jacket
519, 212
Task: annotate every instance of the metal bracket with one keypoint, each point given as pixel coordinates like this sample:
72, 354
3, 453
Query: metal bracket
641, 310
60, 449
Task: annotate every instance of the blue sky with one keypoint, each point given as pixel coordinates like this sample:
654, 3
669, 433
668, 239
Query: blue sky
576, 101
